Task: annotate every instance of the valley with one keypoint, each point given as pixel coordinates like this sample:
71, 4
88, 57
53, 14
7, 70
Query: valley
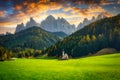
59, 39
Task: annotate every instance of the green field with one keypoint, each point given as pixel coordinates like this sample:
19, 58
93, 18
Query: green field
105, 67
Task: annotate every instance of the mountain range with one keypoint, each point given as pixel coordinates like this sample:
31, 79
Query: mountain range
104, 33
49, 24
87, 22
56, 25
29, 24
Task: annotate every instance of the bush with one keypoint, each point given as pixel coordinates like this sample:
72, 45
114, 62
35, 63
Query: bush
5, 54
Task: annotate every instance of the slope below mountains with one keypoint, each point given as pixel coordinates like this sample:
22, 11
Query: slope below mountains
61, 35
35, 38
104, 33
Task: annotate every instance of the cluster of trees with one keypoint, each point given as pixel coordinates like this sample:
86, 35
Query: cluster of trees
34, 38
28, 53
5, 54
92, 38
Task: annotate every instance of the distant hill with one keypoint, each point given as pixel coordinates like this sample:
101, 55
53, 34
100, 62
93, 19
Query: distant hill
106, 51
104, 33
61, 35
34, 37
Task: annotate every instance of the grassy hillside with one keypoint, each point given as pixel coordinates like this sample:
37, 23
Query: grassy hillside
105, 67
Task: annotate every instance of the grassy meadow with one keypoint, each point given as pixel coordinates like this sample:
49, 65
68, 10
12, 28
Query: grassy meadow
105, 67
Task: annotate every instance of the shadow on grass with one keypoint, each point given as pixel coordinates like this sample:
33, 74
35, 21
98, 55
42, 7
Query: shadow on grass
46, 58
50, 58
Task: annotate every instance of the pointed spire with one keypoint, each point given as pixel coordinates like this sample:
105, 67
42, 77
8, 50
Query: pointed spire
50, 17
93, 18
31, 19
63, 53
85, 20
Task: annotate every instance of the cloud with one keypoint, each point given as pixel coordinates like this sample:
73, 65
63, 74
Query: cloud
2, 13
3, 30
13, 12
18, 7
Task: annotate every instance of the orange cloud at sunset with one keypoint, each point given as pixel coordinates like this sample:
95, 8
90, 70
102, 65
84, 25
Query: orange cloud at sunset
18, 7
2, 13
74, 11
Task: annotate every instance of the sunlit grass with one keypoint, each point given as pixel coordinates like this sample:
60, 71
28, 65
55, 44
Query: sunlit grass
106, 67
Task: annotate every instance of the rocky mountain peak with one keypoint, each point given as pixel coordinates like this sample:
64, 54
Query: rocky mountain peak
50, 17
93, 18
31, 23
87, 22
19, 27
32, 20
50, 24
100, 16
57, 25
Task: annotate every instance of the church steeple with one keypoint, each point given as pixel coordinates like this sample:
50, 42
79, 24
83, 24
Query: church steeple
63, 53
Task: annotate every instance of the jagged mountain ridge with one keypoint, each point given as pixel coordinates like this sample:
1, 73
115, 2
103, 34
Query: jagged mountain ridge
20, 27
57, 25
49, 24
87, 22
29, 24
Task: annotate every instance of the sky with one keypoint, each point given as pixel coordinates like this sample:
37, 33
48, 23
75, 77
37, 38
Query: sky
13, 12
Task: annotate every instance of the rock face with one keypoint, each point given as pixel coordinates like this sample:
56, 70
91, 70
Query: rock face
20, 27
57, 25
87, 22
49, 24
100, 17
29, 24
